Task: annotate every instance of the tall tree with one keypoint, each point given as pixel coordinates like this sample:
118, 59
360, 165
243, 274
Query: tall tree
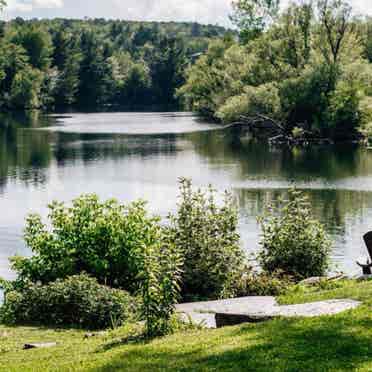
95, 73
66, 58
334, 16
167, 66
297, 31
38, 44
252, 17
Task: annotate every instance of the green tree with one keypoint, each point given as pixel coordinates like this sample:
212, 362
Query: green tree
66, 58
167, 64
207, 235
95, 73
334, 18
368, 42
25, 90
160, 285
13, 59
37, 43
252, 17
292, 240
131, 79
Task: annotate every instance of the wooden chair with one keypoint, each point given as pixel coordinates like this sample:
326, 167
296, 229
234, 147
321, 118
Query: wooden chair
367, 268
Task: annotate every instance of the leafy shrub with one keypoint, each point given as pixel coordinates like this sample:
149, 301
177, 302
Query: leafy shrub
78, 300
160, 279
103, 239
262, 284
209, 240
263, 100
293, 241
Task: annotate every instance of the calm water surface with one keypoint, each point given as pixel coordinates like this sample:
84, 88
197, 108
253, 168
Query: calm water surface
141, 155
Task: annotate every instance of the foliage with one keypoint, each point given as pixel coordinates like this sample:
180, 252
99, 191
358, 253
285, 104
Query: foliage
262, 284
253, 16
131, 79
103, 239
97, 62
160, 277
26, 88
77, 301
37, 43
292, 241
335, 25
262, 100
299, 70
209, 240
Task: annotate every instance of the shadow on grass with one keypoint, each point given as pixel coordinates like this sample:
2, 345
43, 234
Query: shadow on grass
341, 343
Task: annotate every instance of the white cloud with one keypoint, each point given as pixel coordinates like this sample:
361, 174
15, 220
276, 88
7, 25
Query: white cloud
203, 11
48, 3
24, 6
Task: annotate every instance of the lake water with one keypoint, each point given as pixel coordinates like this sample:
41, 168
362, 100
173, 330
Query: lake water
141, 155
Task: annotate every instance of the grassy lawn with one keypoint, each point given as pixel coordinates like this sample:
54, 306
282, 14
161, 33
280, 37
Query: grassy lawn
337, 343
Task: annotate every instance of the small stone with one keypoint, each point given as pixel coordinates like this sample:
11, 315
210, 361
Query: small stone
39, 345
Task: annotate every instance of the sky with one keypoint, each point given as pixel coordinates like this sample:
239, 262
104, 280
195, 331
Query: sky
202, 11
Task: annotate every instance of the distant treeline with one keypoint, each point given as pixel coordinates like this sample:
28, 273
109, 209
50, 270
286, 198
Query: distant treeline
61, 63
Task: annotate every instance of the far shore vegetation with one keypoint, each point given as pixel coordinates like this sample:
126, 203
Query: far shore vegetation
306, 71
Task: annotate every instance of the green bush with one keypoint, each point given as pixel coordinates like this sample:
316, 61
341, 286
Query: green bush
160, 279
208, 237
263, 100
293, 241
262, 284
103, 239
77, 301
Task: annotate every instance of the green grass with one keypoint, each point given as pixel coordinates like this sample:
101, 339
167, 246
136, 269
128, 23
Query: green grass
337, 343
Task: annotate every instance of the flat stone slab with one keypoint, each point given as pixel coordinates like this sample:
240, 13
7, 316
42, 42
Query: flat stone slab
214, 314
249, 304
320, 308
204, 312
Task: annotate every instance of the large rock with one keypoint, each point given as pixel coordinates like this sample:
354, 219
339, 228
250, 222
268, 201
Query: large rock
204, 313
256, 309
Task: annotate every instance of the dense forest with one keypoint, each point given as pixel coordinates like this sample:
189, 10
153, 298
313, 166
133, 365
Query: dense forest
54, 64
306, 69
